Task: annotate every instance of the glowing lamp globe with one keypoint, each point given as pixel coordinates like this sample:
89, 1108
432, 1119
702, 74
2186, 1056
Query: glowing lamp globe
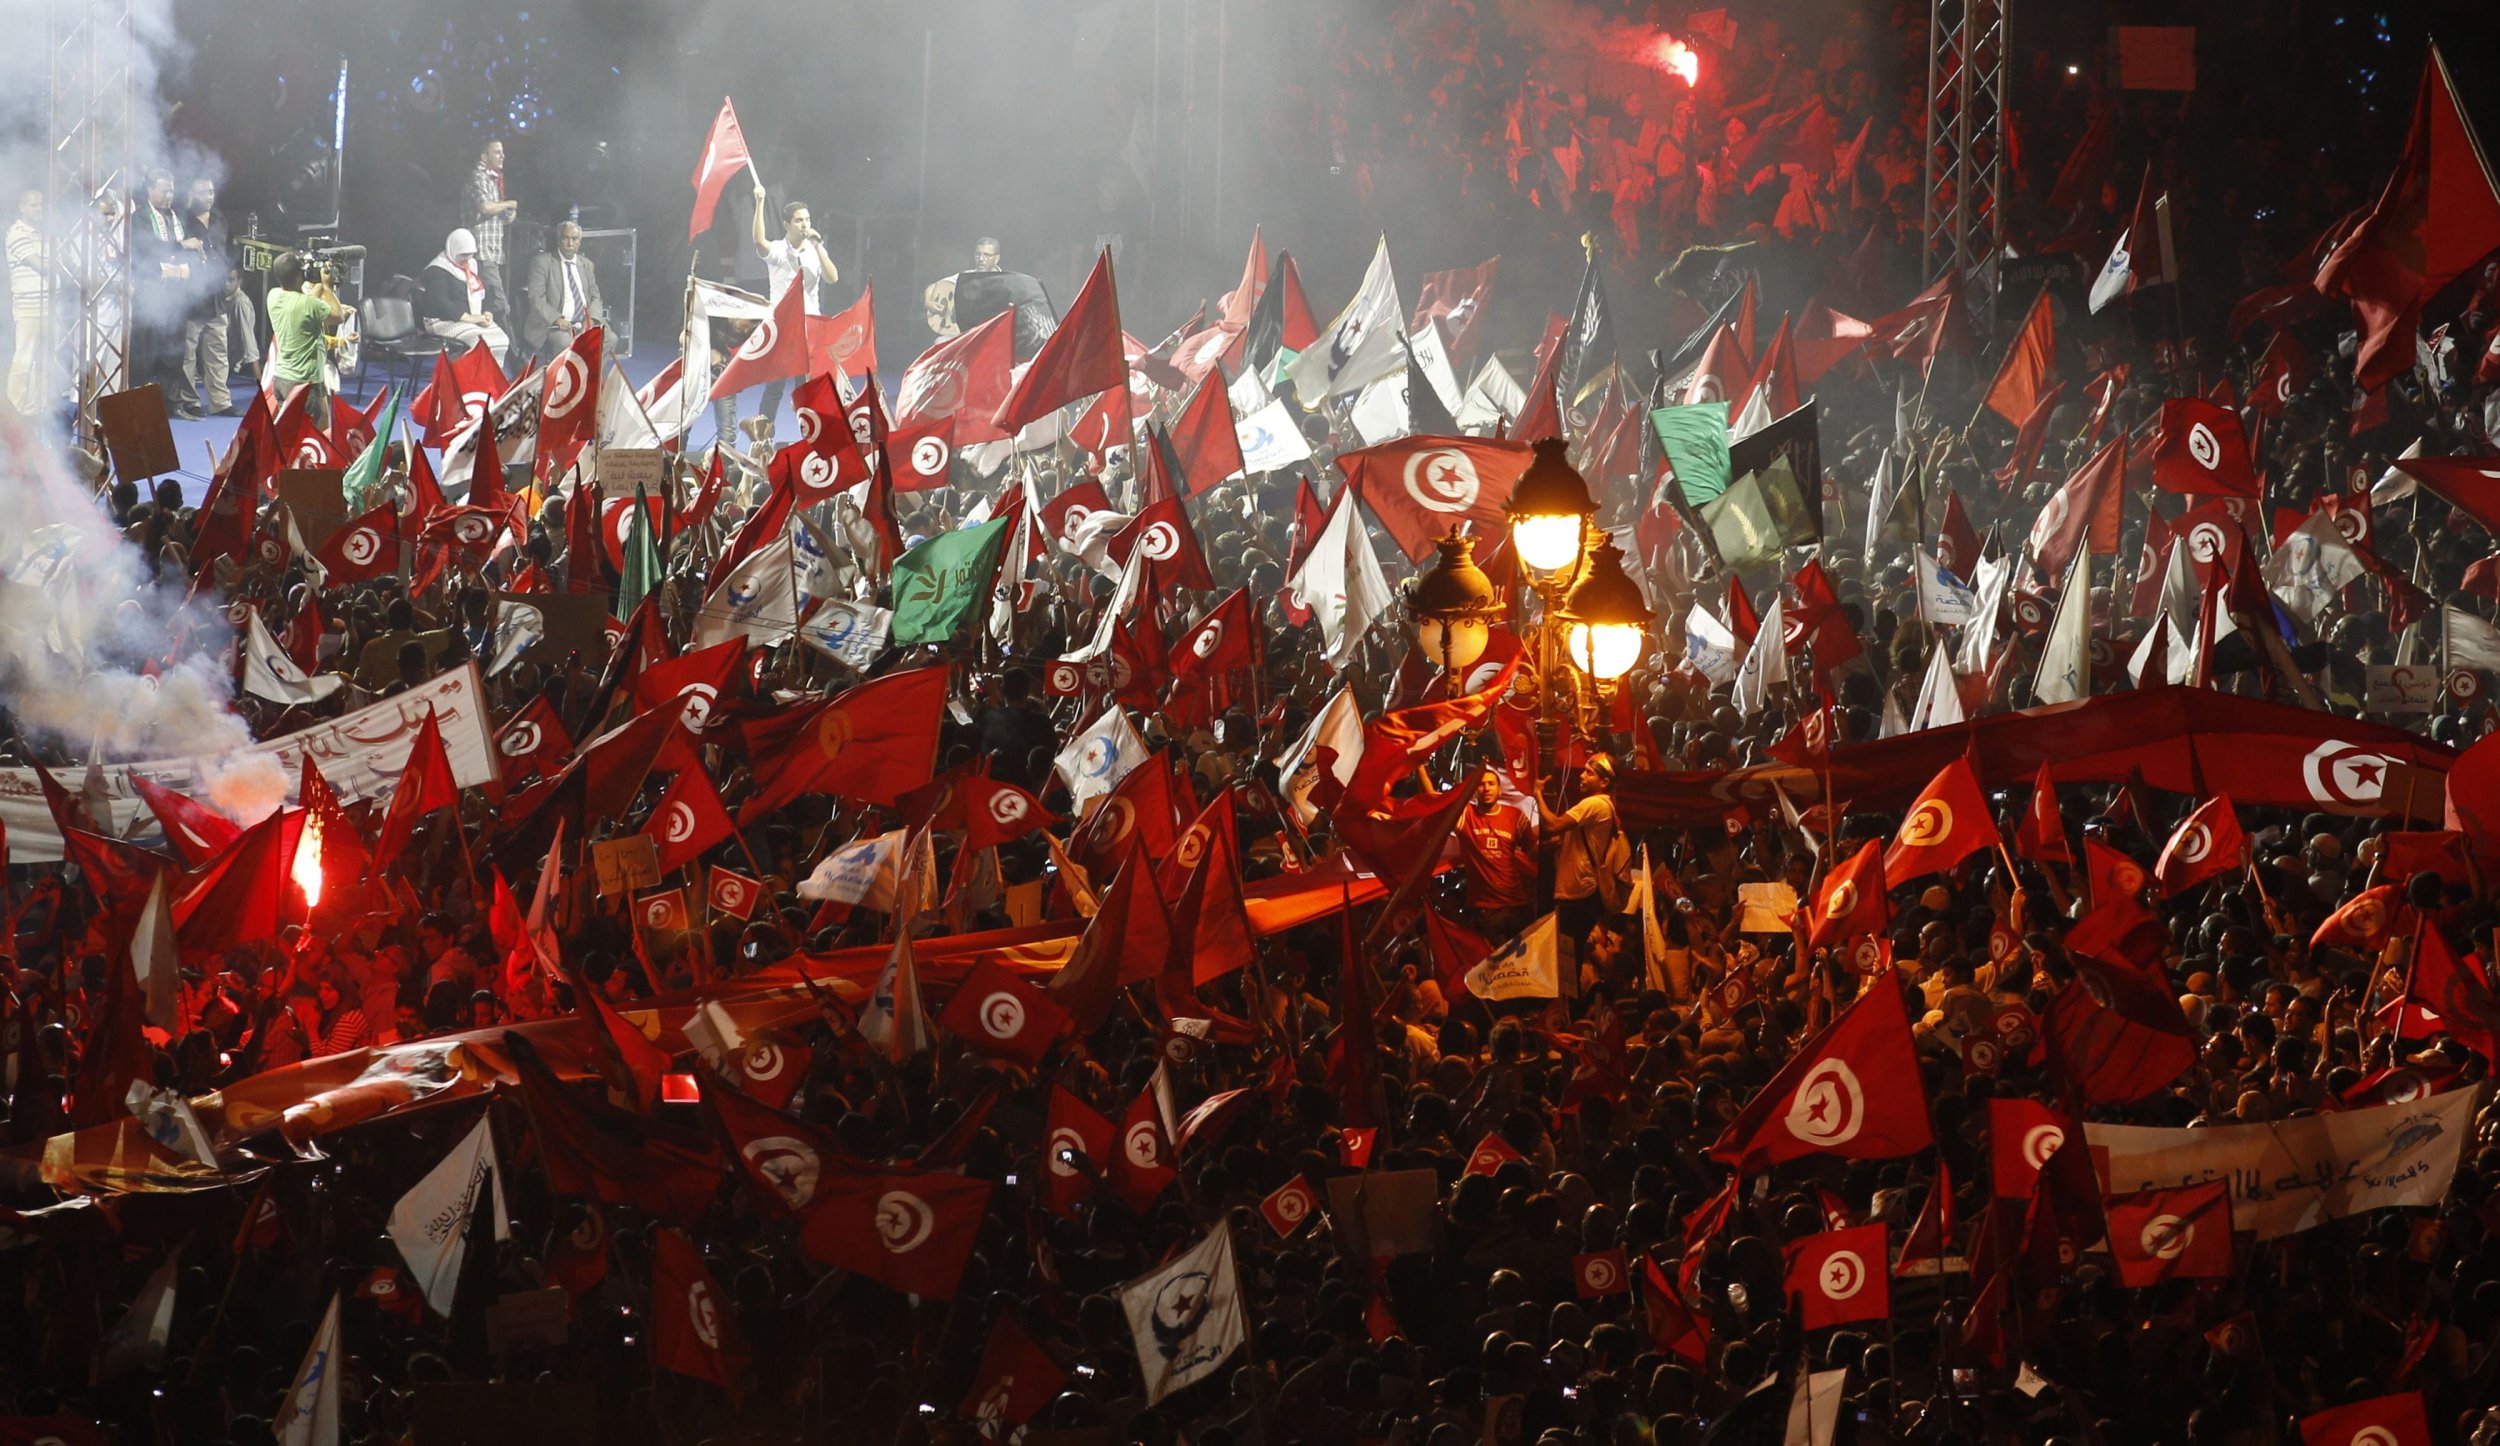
1549, 510
1607, 618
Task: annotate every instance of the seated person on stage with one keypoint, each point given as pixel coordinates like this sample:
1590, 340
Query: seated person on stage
453, 302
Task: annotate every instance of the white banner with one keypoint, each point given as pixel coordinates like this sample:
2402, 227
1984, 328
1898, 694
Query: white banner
2291, 1175
360, 753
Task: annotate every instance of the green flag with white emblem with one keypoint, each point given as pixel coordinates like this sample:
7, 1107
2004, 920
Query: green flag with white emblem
944, 581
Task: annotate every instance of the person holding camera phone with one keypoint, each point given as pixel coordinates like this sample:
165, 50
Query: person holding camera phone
798, 252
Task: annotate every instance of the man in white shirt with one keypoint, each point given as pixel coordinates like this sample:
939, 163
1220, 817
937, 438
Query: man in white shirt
797, 253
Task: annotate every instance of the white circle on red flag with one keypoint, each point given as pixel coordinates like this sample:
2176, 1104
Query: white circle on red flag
1209, 638
2040, 1142
760, 342
1064, 1142
2337, 772
1002, 1015
2164, 1237
1443, 479
790, 1165
567, 383
1292, 1205
703, 1313
680, 824
1598, 1273
1842, 1276
1160, 541
1928, 824
929, 457
1843, 901
2373, 1436
1141, 1146
360, 547
2204, 447
2195, 842
2206, 541
1829, 1107
1008, 808
904, 1221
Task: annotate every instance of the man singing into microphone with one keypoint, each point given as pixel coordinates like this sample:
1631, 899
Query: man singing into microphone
799, 252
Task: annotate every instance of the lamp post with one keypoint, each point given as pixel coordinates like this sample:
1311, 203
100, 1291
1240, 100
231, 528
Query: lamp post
1605, 619
1454, 606
1549, 513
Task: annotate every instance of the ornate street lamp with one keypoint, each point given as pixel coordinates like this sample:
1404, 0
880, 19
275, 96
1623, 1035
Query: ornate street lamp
1606, 618
1454, 606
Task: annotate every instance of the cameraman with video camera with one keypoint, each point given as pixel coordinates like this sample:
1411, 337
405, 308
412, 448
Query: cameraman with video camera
301, 311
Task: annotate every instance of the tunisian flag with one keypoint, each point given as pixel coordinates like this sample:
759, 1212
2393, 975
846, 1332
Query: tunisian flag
1840, 1276
1081, 358
1949, 822
2116, 1035
2203, 451
2396, 1420
568, 404
2041, 836
912, 1230
2022, 1135
1002, 1016
2018, 381
1203, 438
2082, 511
2438, 215
692, 1331
2208, 844
846, 340
1854, 1092
425, 784
724, 153
873, 743
1421, 488
775, 351
2178, 1234
1852, 902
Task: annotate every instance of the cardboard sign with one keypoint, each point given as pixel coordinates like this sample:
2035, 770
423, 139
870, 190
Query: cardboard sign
528, 1318
622, 469
312, 496
2418, 688
1385, 1212
625, 864
138, 436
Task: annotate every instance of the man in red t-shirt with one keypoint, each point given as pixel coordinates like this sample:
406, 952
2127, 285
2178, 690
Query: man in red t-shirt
1497, 846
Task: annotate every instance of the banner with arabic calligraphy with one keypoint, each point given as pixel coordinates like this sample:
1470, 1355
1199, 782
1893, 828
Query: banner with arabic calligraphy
360, 753
2291, 1175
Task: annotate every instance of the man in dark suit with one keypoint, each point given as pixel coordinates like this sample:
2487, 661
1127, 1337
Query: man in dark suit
563, 293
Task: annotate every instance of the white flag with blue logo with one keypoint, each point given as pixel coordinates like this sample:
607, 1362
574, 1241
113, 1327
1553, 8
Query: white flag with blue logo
1186, 1318
1097, 759
310, 1416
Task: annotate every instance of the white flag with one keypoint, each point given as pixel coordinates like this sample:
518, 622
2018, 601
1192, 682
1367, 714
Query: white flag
1755, 414
1341, 582
310, 1416
1948, 601
1765, 663
1879, 503
1097, 759
155, 957
1709, 645
1380, 412
1524, 968
2112, 282
137, 1341
622, 420
864, 873
2395, 484
1186, 1318
1338, 725
1894, 723
1939, 701
1493, 398
430, 1224
2065, 674
1270, 439
1814, 1411
1364, 343
2311, 567
759, 600
1654, 955
852, 633
2467, 641
1976, 650
269, 673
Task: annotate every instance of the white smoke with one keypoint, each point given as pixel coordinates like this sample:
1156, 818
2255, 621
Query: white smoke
98, 658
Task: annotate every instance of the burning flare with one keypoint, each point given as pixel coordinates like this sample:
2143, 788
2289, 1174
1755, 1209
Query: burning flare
307, 870
1676, 58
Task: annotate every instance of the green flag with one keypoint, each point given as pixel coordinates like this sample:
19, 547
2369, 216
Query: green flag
642, 559
365, 473
944, 581
1695, 440
1741, 522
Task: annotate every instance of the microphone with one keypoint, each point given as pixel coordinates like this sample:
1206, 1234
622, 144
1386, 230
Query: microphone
343, 253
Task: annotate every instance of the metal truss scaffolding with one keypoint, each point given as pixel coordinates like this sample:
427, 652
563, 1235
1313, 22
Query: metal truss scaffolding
1966, 73
91, 186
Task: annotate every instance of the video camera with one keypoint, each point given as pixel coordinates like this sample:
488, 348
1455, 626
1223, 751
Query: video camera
321, 263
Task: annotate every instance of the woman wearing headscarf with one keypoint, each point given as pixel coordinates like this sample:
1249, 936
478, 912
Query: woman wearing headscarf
454, 300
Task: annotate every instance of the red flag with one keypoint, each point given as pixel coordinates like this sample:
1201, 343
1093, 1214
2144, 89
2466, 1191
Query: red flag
1725, 371
1234, 307
1840, 1276
2469, 484
847, 340
2178, 1234
197, 832
1852, 902
1163, 534
2283, 372
1947, 824
1208, 913
591, 1148
1673, 1327
1204, 440
948, 395
1490, 1155
2041, 836
2083, 511
1289, 1207
1077, 1145
1081, 358
1144, 807
533, 743
2438, 215
703, 680
1421, 488
1602, 1273
724, 155
2116, 1035
2028, 440
2019, 377
731, 893
462, 389
366, 548
775, 351
2456, 991
1003, 1016
632, 1065
425, 784
1957, 543
687, 821
1822, 1103
1014, 1381
2022, 1135
2208, 844
2203, 452
1225, 639
785, 1159
2365, 922
1459, 301
568, 404
2380, 1421
692, 1330
815, 469
912, 1230
1062, 514
873, 743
